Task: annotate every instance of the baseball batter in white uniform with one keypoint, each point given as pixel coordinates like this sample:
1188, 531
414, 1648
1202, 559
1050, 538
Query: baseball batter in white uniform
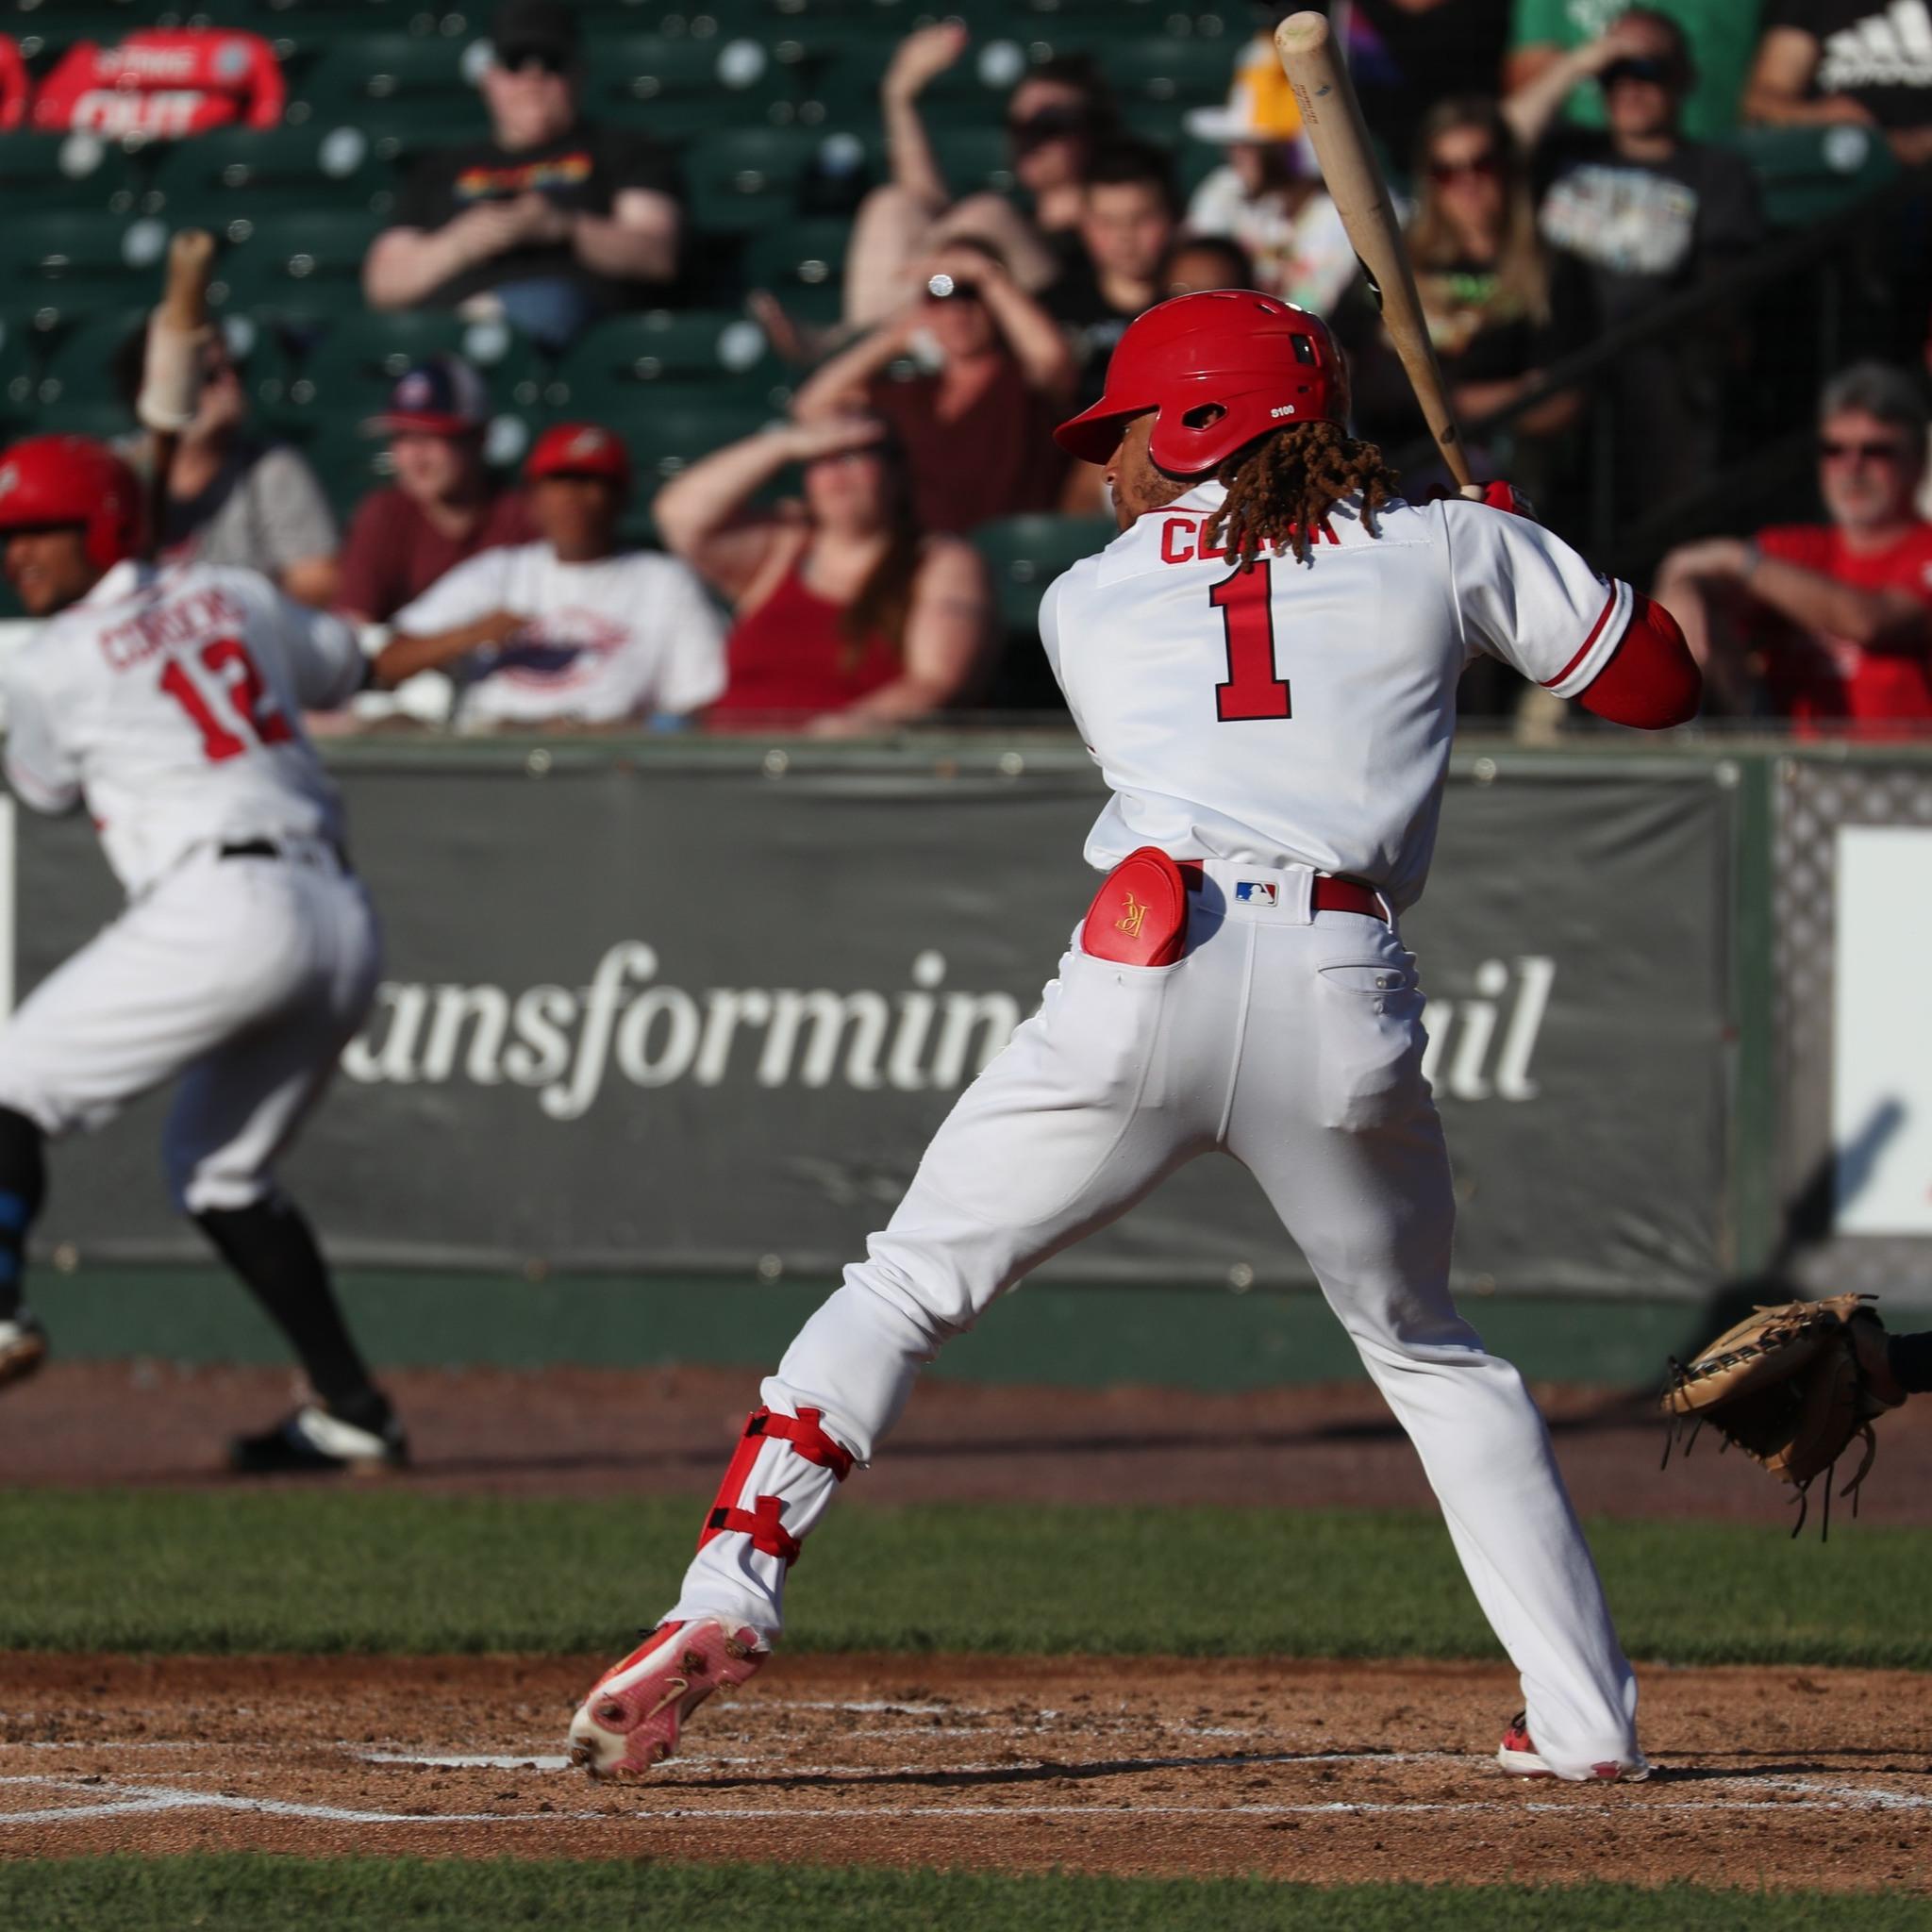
169, 703
1264, 664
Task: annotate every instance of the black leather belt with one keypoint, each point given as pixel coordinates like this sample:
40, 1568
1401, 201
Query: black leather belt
267, 848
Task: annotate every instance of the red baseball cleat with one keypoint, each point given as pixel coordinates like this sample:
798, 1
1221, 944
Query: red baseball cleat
631, 1719
1519, 1756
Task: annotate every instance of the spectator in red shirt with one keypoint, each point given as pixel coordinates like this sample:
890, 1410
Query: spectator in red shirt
847, 617
972, 374
1834, 619
163, 82
444, 505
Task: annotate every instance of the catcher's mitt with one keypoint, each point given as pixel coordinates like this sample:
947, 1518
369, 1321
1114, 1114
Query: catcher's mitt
1792, 1387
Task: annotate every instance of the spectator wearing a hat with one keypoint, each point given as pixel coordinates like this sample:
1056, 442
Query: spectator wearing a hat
444, 505
550, 220
570, 629
1268, 195
970, 374
234, 496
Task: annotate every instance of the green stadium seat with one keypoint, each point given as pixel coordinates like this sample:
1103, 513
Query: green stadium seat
304, 260
845, 66
974, 157
713, 347
77, 369
1025, 554
802, 263
77, 171
69, 263
22, 353
633, 78
399, 138
748, 179
350, 370
665, 436
77, 365
1165, 73
385, 71
239, 174
1809, 174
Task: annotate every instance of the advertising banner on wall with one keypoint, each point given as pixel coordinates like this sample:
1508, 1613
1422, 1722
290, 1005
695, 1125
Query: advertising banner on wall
678, 1016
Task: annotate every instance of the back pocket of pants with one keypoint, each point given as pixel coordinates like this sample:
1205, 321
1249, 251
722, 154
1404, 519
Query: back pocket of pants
1369, 1050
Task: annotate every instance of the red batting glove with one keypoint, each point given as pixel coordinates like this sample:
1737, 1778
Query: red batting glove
1507, 496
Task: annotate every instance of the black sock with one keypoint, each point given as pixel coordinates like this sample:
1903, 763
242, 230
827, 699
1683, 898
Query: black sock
272, 1248
1910, 1357
23, 1186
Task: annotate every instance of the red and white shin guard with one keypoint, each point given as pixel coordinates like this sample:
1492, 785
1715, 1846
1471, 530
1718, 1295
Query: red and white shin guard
779, 1481
785, 1470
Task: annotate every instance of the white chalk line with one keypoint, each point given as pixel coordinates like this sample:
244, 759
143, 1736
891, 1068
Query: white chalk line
139, 1800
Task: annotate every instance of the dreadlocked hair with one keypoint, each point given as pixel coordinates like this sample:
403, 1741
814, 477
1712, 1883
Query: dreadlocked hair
1281, 488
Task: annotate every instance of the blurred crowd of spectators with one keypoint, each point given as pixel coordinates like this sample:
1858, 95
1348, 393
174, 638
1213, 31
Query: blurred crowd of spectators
1566, 176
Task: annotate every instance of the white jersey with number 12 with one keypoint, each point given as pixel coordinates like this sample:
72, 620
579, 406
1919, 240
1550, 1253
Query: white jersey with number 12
170, 702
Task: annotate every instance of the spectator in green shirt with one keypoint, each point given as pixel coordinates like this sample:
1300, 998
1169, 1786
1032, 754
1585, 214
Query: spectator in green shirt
1722, 36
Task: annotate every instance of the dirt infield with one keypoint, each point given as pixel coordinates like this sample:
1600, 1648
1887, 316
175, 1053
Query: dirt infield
1322, 1772
592, 1432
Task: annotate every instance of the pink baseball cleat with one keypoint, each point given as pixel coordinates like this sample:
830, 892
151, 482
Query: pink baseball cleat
1519, 1756
631, 1719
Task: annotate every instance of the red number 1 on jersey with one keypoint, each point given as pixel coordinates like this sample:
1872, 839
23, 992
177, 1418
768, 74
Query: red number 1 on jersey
239, 680
1252, 689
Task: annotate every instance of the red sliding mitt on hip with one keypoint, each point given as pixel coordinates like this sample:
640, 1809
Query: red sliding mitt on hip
1139, 916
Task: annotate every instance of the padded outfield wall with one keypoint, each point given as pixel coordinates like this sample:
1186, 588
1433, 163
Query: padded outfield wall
684, 1008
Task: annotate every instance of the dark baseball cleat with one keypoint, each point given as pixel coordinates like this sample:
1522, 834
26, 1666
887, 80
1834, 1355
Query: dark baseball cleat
22, 1347
1520, 1757
316, 1442
636, 1709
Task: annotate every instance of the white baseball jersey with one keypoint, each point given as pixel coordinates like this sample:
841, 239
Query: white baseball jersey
171, 701
1300, 714
621, 637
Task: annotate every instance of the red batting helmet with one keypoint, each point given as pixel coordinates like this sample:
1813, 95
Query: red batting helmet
579, 449
1222, 367
68, 479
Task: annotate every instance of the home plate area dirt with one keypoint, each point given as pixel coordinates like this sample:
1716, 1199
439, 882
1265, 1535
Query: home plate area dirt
1324, 1771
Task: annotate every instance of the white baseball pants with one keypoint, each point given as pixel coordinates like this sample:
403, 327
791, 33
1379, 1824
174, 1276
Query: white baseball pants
1293, 1044
244, 976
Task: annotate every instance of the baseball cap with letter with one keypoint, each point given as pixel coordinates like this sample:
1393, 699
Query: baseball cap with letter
579, 449
443, 396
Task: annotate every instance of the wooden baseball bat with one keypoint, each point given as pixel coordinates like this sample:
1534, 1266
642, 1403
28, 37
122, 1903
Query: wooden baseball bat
171, 377
1333, 118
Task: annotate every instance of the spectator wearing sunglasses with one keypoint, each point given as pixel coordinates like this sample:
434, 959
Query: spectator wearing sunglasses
970, 375
1500, 308
1825, 622
1722, 36
1056, 116
548, 222
1647, 213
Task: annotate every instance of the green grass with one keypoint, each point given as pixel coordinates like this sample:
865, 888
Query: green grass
245, 1893
392, 1570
